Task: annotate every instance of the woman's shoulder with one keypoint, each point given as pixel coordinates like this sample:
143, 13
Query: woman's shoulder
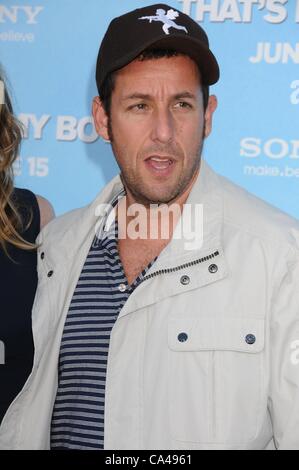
24, 196
40, 208
46, 210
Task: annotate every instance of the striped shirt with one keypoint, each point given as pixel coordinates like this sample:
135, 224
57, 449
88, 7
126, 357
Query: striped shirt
100, 294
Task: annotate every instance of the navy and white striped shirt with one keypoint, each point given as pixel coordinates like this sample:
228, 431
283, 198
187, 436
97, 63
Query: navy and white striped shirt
100, 294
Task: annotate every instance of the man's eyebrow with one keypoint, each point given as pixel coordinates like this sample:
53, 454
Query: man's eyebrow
134, 96
143, 96
185, 94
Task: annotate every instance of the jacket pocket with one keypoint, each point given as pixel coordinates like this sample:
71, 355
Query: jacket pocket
215, 378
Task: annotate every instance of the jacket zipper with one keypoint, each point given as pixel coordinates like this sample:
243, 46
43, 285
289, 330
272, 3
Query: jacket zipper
182, 266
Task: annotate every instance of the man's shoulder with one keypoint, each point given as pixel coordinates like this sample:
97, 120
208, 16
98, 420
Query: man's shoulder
249, 213
81, 220
61, 224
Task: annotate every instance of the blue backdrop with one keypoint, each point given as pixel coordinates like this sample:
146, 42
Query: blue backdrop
49, 48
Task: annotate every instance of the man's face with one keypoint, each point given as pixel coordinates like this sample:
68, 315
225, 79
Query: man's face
158, 126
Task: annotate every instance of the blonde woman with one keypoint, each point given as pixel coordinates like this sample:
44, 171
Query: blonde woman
22, 215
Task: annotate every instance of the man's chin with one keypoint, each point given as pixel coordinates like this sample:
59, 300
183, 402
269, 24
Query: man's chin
148, 198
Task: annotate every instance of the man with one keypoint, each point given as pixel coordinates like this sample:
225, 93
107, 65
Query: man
183, 341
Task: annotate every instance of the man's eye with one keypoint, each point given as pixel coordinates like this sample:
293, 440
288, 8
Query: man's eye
138, 107
183, 104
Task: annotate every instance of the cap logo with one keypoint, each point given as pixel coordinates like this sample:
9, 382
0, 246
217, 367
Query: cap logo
166, 18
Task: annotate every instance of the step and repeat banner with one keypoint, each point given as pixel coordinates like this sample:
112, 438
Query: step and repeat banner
48, 49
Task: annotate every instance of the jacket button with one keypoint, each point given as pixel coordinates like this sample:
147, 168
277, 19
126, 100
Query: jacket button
42, 255
182, 337
122, 287
185, 280
250, 339
213, 268
50, 273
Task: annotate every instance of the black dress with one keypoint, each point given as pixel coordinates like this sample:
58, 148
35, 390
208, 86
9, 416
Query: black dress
18, 282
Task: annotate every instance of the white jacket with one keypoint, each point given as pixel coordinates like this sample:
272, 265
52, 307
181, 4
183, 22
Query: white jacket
212, 391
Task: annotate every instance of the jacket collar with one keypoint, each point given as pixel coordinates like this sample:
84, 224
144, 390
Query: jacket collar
204, 199
205, 193
75, 238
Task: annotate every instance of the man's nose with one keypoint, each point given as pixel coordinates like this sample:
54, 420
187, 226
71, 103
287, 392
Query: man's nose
163, 126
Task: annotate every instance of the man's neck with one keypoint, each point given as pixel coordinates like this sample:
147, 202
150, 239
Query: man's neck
155, 221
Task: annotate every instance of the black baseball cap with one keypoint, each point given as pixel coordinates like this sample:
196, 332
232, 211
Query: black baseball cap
159, 26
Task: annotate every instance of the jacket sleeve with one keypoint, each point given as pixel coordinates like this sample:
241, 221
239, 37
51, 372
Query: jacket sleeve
284, 357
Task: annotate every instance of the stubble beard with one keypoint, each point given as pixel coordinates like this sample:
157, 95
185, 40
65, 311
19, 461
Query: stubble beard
136, 186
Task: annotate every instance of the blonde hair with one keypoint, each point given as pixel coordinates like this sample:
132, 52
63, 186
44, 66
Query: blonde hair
11, 224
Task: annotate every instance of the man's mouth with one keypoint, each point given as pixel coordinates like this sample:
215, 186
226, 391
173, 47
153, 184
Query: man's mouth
159, 163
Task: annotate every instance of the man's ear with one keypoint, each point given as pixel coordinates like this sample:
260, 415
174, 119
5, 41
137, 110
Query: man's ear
100, 118
212, 105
